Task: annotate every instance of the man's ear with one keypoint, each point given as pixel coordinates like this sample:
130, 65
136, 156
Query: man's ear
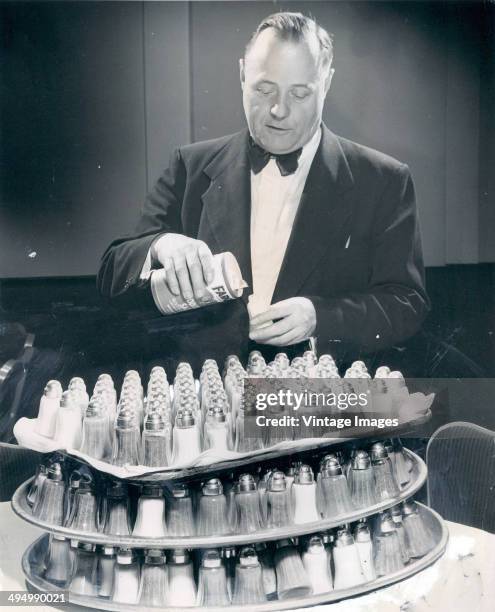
328, 79
242, 72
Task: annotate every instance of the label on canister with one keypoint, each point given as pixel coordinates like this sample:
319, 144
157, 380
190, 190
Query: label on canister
227, 284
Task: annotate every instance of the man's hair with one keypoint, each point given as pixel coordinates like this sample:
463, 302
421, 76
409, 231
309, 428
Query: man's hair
296, 27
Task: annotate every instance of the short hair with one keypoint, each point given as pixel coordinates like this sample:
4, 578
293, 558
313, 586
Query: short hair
296, 27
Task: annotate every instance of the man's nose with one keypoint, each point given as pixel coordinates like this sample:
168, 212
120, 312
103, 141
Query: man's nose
280, 109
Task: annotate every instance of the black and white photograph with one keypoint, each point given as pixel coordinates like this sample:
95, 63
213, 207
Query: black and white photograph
247, 305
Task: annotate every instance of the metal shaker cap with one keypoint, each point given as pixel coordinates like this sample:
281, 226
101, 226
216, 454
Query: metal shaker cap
125, 556
314, 545
132, 375
179, 556
150, 490
291, 472
180, 491
378, 452
326, 358
409, 507
53, 389
344, 538
154, 556
106, 379
283, 543
95, 406
328, 457
310, 357
277, 482
116, 489
282, 360
362, 533
231, 361
77, 383
154, 422
69, 400
55, 472
210, 363
109, 551
327, 536
361, 461
184, 418
246, 483
304, 475
218, 414
331, 468
211, 558
248, 557
125, 419
158, 371
396, 513
254, 356
213, 487
387, 524
184, 365
86, 546
382, 372
86, 484
228, 552
359, 365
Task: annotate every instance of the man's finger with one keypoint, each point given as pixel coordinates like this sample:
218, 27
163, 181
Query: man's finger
182, 274
278, 311
206, 259
171, 278
291, 337
196, 274
272, 331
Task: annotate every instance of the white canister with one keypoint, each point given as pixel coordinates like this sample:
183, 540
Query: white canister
227, 284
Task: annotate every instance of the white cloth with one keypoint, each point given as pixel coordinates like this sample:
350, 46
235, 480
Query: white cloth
274, 203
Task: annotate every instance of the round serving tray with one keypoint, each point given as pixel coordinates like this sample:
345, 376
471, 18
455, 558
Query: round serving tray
32, 566
21, 508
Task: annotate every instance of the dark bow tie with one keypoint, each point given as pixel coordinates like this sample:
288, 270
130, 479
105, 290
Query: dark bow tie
286, 162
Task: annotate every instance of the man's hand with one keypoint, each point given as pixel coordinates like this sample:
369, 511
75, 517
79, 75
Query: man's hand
188, 264
290, 321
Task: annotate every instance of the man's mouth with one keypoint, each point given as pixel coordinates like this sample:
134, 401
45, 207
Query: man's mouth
277, 128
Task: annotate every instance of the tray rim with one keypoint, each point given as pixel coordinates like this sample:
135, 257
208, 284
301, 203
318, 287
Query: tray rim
20, 507
271, 606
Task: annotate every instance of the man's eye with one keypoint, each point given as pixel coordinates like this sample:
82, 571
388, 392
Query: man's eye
264, 90
300, 94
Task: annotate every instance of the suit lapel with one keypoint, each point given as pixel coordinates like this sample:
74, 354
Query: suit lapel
321, 215
227, 202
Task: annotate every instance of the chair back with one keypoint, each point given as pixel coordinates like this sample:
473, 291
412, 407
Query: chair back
17, 464
461, 474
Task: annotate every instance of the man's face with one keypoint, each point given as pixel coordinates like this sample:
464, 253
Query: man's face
283, 91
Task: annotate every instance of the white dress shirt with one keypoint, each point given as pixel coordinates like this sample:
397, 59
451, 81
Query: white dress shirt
274, 203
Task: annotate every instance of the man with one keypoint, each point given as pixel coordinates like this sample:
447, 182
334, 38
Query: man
325, 231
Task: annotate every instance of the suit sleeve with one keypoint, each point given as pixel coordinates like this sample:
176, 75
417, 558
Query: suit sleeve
395, 302
121, 264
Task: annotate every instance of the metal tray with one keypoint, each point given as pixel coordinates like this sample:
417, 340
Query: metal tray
32, 566
21, 508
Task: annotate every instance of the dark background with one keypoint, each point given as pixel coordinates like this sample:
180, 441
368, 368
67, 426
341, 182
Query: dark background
95, 95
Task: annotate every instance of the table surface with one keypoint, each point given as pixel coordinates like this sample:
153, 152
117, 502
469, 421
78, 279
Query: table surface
460, 581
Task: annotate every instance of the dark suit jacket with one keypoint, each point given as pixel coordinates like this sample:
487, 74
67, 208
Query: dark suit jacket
355, 247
